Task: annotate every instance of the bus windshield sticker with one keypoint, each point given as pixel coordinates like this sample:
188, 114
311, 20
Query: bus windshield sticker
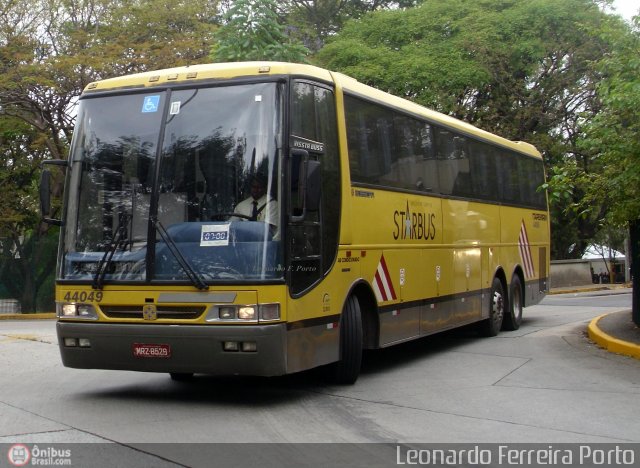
150, 104
175, 108
214, 235
309, 145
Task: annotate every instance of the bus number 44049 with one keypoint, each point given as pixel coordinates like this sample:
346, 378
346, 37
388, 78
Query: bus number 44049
83, 296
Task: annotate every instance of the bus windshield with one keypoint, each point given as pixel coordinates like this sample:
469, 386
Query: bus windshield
199, 165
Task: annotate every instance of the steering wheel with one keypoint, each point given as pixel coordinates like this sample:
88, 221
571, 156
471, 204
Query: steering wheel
220, 216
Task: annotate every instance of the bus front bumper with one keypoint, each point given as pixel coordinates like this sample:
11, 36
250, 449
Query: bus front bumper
174, 348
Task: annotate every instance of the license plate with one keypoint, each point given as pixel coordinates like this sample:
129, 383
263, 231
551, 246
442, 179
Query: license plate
147, 350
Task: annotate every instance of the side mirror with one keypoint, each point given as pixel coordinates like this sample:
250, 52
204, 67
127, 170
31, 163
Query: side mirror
45, 191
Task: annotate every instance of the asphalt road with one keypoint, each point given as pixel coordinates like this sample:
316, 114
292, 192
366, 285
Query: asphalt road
544, 383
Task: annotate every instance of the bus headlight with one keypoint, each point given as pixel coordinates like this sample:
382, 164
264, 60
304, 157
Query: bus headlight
78, 311
232, 313
226, 313
244, 313
247, 313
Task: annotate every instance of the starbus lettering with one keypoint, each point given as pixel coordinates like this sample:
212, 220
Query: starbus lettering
414, 225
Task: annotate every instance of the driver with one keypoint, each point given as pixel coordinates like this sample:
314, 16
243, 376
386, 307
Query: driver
259, 206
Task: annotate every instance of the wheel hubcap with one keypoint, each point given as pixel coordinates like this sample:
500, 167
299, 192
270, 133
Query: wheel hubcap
498, 307
517, 303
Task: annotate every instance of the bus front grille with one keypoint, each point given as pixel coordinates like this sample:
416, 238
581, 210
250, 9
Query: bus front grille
163, 312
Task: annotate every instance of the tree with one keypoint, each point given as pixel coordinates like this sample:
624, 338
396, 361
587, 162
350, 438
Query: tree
251, 31
59, 47
523, 70
313, 21
27, 251
613, 134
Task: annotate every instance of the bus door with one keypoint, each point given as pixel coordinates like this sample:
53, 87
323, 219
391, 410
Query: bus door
314, 183
313, 221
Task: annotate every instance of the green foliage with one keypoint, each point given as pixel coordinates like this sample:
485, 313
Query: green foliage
510, 65
313, 21
21, 152
26, 269
141, 35
27, 253
251, 32
614, 134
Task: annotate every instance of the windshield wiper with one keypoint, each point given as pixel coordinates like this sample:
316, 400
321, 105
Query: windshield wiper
107, 258
195, 278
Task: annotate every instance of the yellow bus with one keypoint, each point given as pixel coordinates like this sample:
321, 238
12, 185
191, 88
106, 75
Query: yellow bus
267, 218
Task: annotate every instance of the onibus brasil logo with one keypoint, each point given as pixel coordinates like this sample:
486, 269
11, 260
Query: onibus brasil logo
19, 455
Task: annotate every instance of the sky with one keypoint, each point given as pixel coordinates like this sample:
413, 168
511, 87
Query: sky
626, 8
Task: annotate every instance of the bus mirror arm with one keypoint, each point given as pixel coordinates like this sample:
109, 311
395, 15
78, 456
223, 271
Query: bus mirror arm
45, 191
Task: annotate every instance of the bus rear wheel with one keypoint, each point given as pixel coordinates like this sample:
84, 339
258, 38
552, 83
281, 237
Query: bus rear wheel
497, 299
347, 369
513, 317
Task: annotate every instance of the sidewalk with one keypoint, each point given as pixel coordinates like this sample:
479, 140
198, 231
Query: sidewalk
616, 333
589, 288
38, 316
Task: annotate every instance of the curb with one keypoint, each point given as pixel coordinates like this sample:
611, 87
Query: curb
608, 342
574, 291
40, 316
581, 289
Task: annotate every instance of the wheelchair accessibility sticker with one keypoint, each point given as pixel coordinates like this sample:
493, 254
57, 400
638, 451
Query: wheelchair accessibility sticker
150, 104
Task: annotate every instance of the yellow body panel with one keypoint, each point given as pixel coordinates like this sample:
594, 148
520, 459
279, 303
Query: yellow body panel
439, 246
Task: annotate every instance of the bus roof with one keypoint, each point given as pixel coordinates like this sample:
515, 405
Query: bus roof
211, 71
226, 71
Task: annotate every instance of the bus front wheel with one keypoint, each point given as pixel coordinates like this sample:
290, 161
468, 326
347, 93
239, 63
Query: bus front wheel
347, 369
497, 302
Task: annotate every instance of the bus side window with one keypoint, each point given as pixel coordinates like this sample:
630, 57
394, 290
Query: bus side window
483, 171
428, 166
453, 163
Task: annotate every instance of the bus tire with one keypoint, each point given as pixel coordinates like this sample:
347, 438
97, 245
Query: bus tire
181, 376
513, 316
492, 325
347, 369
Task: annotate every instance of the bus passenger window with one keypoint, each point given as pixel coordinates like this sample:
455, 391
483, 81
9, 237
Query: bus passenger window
453, 163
